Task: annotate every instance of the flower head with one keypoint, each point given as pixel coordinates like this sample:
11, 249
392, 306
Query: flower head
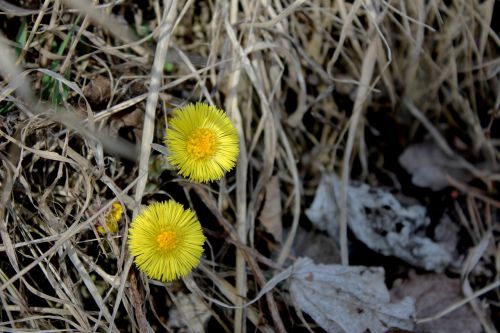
112, 217
166, 240
202, 141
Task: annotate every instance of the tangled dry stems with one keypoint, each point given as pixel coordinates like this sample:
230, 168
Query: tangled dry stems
301, 81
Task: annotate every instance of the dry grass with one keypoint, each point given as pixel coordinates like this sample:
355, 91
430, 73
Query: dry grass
88, 88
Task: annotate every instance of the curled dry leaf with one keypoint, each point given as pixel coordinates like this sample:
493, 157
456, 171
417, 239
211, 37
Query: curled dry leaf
270, 217
98, 91
348, 299
380, 221
129, 124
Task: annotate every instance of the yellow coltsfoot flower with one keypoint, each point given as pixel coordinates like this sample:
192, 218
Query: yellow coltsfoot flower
202, 142
112, 218
166, 241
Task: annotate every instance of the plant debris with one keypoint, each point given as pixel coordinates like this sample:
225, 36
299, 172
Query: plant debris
380, 221
400, 98
348, 299
429, 165
433, 293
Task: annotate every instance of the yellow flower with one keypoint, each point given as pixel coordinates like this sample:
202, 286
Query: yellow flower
112, 218
202, 142
166, 240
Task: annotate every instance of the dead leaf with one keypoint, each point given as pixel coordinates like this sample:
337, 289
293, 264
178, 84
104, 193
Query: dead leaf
324, 208
433, 293
131, 122
191, 313
348, 299
98, 90
380, 221
270, 217
317, 246
428, 166
447, 235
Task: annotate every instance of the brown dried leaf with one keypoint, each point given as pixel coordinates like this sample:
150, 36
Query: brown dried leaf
98, 90
270, 217
132, 121
433, 293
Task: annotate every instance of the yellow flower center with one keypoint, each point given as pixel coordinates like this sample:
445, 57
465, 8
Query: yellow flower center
201, 143
167, 240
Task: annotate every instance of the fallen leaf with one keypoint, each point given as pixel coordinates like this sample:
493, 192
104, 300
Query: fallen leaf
380, 221
270, 217
428, 166
348, 299
98, 90
191, 313
447, 235
317, 246
324, 208
128, 125
433, 293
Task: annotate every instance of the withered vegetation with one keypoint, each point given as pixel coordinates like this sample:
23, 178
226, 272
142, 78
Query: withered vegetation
312, 87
